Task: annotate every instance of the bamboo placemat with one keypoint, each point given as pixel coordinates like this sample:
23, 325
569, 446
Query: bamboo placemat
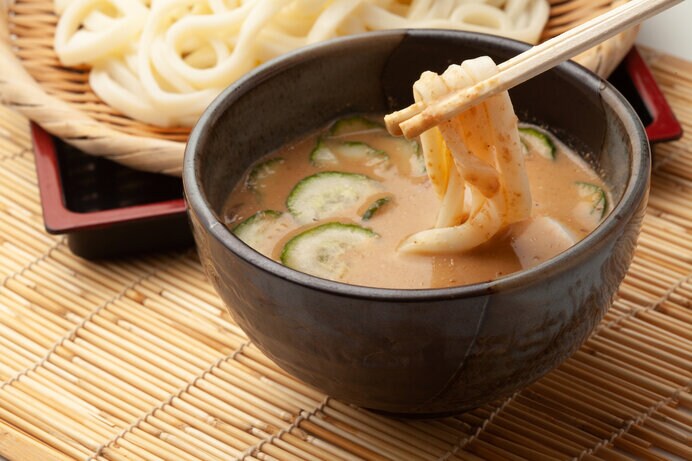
137, 360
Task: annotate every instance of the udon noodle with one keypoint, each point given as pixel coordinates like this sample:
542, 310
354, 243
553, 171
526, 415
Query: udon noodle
162, 62
475, 162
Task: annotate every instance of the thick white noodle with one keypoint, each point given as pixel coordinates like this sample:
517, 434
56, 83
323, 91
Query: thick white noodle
452, 210
116, 84
478, 229
75, 44
328, 22
158, 86
487, 159
187, 51
504, 126
429, 88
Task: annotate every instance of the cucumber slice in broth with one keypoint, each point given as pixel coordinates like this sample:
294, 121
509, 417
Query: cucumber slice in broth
329, 153
259, 230
261, 172
323, 250
353, 125
360, 151
375, 207
538, 141
322, 155
416, 159
328, 194
595, 197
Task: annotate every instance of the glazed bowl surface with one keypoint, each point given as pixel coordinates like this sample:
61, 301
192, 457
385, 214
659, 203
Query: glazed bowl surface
412, 352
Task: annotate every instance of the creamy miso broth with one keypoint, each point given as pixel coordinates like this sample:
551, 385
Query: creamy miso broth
339, 203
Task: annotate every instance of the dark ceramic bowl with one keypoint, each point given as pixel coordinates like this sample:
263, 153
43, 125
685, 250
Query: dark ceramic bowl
415, 352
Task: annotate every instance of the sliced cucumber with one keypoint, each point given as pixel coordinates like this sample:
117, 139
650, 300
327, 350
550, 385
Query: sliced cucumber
327, 194
595, 197
406, 151
416, 160
322, 250
256, 230
328, 153
538, 141
356, 150
375, 207
259, 174
352, 125
322, 155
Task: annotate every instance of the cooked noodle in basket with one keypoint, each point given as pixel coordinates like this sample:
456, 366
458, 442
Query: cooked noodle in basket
162, 62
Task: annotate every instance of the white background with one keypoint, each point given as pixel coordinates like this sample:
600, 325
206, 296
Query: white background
670, 31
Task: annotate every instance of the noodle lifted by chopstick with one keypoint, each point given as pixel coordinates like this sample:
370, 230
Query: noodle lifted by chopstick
475, 162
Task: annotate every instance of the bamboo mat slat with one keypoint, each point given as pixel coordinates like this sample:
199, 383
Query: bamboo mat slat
137, 359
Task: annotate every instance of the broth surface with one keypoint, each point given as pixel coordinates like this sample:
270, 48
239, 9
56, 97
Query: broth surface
413, 206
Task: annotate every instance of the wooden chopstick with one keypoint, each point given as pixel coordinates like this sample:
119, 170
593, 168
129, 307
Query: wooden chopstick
417, 118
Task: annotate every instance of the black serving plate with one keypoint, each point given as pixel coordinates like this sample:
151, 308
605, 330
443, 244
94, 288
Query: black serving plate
106, 209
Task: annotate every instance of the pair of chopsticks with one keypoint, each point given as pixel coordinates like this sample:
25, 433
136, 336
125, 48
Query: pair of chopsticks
417, 118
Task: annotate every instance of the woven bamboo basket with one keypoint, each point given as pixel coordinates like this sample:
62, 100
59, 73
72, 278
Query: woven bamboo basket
59, 99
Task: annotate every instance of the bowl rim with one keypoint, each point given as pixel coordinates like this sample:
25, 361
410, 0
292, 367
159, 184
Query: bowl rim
634, 192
